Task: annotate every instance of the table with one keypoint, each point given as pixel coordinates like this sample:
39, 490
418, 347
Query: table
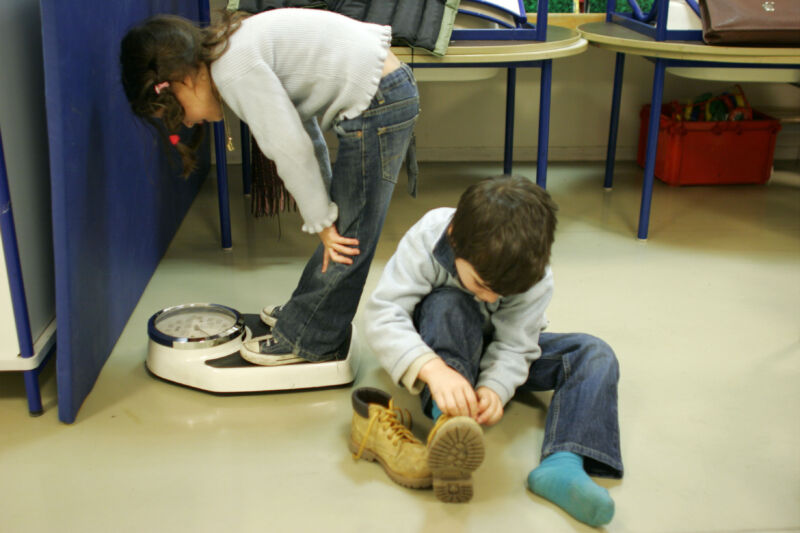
561, 42
682, 58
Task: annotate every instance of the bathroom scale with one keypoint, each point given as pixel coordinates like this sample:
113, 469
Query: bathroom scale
197, 345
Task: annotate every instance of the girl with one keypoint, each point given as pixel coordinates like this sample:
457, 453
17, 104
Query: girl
289, 73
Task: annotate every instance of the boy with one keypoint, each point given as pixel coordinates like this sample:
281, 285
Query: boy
458, 316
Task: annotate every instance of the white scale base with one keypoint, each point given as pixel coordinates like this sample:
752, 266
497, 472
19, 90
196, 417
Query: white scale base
220, 369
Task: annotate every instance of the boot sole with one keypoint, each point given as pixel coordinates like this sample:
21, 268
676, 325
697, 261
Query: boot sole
400, 479
455, 452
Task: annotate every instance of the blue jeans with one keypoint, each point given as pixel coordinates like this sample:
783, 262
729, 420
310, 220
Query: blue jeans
316, 320
581, 370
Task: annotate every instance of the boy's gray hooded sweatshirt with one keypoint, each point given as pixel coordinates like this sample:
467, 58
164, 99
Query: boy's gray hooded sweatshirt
424, 260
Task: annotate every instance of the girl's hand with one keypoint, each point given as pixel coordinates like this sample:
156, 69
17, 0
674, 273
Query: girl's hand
490, 408
450, 390
337, 248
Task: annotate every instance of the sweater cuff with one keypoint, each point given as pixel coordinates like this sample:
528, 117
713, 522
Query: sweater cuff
318, 225
410, 379
500, 388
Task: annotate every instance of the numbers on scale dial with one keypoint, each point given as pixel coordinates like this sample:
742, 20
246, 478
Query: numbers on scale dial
195, 324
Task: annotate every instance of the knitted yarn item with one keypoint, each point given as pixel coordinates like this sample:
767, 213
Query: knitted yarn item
269, 195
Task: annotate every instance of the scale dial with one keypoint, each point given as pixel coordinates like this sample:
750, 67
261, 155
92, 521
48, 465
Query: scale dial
201, 325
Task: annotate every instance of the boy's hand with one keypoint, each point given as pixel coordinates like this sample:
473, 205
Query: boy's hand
450, 390
490, 408
335, 246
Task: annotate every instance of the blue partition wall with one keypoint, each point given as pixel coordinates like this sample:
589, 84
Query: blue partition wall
117, 197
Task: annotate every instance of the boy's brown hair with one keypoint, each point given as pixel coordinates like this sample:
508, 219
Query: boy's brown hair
504, 227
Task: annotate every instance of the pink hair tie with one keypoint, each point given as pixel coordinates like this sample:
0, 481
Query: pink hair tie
161, 86
174, 139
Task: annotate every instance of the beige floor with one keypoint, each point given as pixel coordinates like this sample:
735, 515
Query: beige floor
704, 317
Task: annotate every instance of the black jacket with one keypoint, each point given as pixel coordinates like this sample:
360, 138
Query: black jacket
416, 23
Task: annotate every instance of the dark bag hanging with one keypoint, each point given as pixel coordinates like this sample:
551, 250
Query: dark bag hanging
257, 6
751, 22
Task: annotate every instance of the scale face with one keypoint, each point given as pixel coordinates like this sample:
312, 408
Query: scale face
198, 345
196, 326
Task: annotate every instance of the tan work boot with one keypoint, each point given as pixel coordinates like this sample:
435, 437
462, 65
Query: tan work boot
380, 432
455, 450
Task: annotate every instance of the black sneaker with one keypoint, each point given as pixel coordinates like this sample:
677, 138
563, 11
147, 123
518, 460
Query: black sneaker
269, 315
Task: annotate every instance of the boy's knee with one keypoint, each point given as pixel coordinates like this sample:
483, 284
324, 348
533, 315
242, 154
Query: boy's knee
450, 302
452, 296
599, 355
451, 323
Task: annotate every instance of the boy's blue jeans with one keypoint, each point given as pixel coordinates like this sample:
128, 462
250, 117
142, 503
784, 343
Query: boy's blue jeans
581, 370
316, 320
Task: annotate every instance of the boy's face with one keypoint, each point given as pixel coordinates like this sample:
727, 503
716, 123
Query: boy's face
473, 282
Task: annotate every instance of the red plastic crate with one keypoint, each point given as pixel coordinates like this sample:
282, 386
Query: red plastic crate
711, 153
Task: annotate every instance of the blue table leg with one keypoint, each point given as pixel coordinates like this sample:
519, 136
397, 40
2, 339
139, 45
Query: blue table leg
19, 302
219, 149
247, 179
204, 12
32, 387
544, 123
652, 144
34, 394
613, 127
508, 152
222, 185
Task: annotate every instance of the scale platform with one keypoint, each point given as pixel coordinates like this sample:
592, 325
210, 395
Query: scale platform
221, 369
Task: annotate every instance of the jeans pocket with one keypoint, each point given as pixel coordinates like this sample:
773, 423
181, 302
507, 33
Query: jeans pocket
349, 128
393, 142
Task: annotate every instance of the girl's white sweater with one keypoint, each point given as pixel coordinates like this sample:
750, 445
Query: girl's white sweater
285, 66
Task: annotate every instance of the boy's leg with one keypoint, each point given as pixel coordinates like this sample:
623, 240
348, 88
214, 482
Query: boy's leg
450, 322
582, 427
583, 372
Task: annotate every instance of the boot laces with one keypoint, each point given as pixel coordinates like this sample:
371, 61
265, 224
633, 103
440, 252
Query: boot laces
439, 423
398, 432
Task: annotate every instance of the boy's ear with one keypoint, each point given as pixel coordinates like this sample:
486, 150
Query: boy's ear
450, 229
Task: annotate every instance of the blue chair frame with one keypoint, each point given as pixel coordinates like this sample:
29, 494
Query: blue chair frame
654, 22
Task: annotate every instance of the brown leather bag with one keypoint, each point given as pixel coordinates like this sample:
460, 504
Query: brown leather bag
751, 22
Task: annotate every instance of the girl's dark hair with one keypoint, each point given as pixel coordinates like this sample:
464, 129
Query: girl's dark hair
169, 48
504, 227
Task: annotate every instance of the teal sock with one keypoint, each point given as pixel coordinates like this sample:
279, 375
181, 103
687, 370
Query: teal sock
561, 479
435, 412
